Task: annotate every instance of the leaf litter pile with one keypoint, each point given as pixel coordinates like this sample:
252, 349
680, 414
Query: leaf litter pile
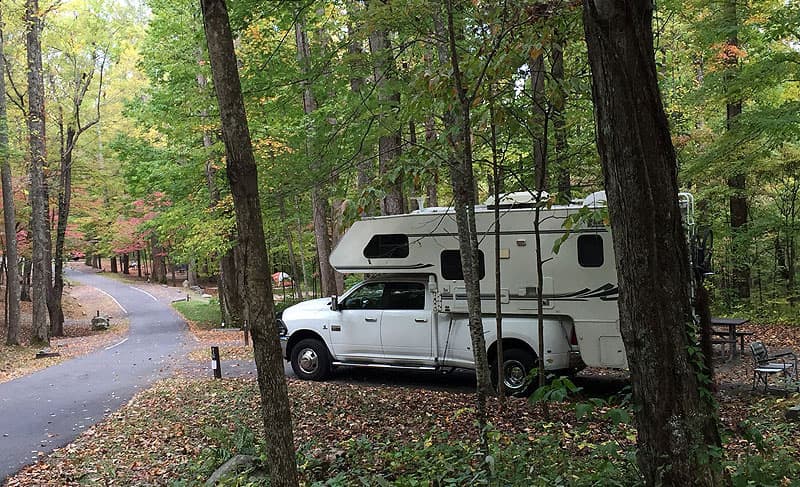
159, 436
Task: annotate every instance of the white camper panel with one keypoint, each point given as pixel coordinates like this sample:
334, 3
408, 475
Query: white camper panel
580, 282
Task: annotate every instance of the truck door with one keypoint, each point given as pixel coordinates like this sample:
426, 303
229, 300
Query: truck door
357, 335
406, 324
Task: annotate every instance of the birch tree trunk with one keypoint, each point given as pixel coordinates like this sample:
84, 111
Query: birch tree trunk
9, 215
676, 424
40, 229
243, 178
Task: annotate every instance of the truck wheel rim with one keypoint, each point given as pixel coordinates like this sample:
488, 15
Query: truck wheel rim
515, 375
308, 361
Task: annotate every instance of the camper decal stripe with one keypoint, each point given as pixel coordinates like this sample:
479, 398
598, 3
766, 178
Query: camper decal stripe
526, 232
369, 267
606, 292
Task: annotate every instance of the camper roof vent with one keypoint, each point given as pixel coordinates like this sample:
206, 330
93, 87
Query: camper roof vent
520, 198
596, 199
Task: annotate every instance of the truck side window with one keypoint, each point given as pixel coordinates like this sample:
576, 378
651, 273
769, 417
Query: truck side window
390, 246
451, 265
404, 295
590, 251
369, 296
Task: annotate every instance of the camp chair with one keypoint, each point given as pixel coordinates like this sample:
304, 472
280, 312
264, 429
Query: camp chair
765, 364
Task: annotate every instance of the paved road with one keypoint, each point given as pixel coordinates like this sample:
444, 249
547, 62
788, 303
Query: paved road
48, 409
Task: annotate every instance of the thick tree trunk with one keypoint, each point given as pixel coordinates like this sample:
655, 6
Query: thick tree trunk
319, 201
191, 273
677, 430
243, 178
9, 217
126, 263
139, 263
389, 146
114, 267
40, 228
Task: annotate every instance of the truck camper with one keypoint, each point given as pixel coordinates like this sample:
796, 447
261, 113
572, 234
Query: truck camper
412, 310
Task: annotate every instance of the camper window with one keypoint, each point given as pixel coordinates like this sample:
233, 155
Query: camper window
590, 251
451, 265
391, 246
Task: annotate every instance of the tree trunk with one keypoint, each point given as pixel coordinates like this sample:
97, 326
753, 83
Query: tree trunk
40, 228
191, 273
458, 120
559, 121
319, 202
243, 178
677, 430
126, 263
538, 119
287, 231
139, 263
389, 146
737, 182
25, 290
9, 217
114, 267
159, 271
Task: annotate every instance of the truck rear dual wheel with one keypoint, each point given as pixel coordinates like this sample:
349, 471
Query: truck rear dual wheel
517, 366
310, 360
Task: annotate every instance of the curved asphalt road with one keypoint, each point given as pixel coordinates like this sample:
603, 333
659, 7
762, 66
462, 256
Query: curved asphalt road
48, 409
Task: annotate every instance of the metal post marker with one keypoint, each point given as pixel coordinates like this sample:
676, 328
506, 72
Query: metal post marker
215, 366
245, 330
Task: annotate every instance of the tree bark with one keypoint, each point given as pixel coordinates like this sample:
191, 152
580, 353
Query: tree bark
676, 425
538, 119
159, 271
287, 231
737, 183
390, 145
9, 216
114, 267
40, 227
25, 289
319, 202
458, 119
126, 263
243, 178
559, 120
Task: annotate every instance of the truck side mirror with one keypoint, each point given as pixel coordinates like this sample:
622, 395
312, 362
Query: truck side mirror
334, 303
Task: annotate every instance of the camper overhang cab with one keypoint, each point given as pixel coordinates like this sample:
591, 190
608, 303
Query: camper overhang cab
412, 312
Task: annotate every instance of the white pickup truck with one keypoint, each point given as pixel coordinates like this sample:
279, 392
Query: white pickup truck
399, 322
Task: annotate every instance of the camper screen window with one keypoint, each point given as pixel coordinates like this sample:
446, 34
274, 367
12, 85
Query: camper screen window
590, 251
392, 246
451, 265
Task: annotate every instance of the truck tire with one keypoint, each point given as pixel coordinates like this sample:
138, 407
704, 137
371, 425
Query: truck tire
310, 360
517, 365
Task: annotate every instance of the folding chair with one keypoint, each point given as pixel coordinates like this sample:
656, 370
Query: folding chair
765, 365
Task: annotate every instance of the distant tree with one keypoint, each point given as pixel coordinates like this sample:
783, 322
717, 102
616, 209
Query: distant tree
243, 178
677, 429
9, 217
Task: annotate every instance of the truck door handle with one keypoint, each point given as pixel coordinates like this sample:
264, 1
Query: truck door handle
421, 320
371, 320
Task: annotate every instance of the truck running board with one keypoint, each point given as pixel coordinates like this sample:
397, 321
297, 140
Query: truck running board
384, 366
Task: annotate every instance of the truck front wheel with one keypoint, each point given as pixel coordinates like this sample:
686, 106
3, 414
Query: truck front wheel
517, 366
310, 360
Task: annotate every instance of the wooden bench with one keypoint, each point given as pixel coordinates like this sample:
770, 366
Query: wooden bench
724, 338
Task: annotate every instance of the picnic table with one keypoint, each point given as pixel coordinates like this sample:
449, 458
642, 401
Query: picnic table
726, 331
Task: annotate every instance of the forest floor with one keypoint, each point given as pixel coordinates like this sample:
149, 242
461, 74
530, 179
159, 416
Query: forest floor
80, 303
177, 432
